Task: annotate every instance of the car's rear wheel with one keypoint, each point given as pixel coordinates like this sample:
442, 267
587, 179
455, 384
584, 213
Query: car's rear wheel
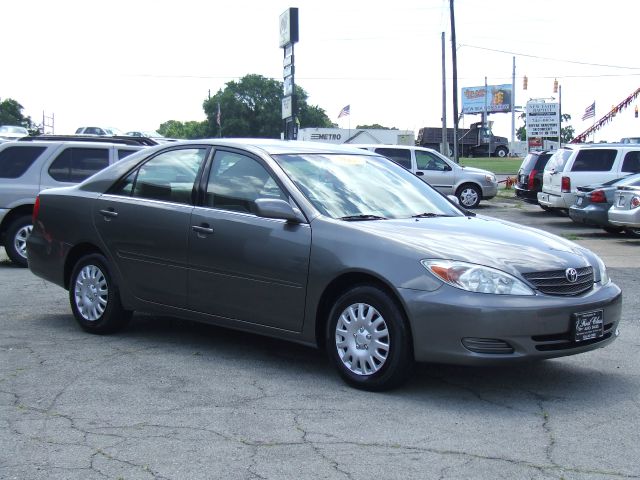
16, 239
94, 297
368, 339
502, 152
469, 195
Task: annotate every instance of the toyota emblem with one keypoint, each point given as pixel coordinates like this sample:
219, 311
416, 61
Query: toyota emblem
571, 274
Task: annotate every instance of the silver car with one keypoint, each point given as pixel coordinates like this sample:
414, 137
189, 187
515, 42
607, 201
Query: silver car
625, 211
324, 245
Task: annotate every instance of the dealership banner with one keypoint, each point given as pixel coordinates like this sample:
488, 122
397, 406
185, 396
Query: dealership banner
495, 98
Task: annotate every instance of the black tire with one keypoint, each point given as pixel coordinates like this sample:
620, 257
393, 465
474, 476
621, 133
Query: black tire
501, 152
469, 195
633, 232
613, 229
370, 313
16, 239
545, 208
91, 281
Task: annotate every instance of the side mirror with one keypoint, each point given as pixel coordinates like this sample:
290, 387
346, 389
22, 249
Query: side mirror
447, 168
453, 199
278, 209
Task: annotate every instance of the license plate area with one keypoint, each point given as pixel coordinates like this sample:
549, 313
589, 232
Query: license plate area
588, 325
580, 200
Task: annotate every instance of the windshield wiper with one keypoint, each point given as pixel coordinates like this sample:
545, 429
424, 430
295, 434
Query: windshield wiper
429, 215
352, 218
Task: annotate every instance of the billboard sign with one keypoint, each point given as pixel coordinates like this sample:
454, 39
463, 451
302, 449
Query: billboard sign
495, 98
543, 119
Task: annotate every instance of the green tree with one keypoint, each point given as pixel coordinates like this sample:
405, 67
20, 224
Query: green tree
375, 126
566, 133
11, 114
187, 130
252, 106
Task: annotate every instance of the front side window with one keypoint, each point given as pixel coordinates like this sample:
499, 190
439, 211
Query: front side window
400, 155
168, 177
14, 161
362, 187
631, 162
429, 161
236, 181
77, 164
600, 160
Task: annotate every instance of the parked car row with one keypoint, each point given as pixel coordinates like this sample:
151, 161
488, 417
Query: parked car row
595, 184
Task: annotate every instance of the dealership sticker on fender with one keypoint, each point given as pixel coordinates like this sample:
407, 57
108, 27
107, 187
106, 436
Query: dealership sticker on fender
588, 325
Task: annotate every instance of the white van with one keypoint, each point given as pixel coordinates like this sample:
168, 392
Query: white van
469, 184
577, 165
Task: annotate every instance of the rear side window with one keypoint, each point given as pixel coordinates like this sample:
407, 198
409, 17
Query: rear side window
594, 160
631, 162
400, 155
76, 164
14, 161
542, 161
124, 153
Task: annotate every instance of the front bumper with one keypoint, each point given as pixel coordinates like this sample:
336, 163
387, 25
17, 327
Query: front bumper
625, 218
535, 327
489, 191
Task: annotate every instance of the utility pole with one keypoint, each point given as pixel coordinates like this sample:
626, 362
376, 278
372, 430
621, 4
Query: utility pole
513, 106
454, 59
444, 145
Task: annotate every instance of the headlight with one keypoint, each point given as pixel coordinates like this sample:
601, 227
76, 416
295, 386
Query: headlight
490, 178
476, 278
604, 276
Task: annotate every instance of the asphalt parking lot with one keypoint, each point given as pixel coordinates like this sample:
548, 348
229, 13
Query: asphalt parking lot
168, 399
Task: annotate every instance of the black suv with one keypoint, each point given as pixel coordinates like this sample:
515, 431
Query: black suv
529, 181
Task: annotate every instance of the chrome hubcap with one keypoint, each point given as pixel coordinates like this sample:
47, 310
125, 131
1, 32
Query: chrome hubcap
468, 197
20, 240
91, 293
362, 339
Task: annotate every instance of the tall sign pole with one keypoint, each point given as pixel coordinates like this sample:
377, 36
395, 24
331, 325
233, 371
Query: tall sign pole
454, 59
288, 37
444, 145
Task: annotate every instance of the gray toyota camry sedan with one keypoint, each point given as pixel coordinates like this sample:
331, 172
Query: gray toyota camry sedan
329, 246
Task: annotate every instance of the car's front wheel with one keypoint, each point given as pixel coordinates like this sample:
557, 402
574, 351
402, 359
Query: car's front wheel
469, 195
16, 239
368, 339
94, 297
633, 232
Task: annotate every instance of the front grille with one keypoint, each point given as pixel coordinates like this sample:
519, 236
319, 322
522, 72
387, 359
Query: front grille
487, 345
555, 282
563, 341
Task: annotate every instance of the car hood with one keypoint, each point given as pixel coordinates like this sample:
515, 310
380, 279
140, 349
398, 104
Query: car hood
479, 171
481, 240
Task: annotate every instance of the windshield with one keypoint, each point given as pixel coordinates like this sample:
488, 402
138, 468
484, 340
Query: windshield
10, 129
631, 180
362, 187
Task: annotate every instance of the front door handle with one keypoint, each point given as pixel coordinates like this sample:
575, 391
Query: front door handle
109, 214
202, 229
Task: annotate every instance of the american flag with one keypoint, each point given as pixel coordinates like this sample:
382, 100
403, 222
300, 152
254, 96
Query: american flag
345, 111
590, 111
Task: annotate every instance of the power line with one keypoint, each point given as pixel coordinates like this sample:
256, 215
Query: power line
548, 58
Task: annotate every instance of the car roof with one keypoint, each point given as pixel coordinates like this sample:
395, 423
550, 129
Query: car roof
276, 147
383, 145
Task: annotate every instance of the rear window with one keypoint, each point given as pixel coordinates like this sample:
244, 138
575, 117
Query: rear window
535, 161
14, 161
77, 164
400, 155
594, 160
558, 160
631, 162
